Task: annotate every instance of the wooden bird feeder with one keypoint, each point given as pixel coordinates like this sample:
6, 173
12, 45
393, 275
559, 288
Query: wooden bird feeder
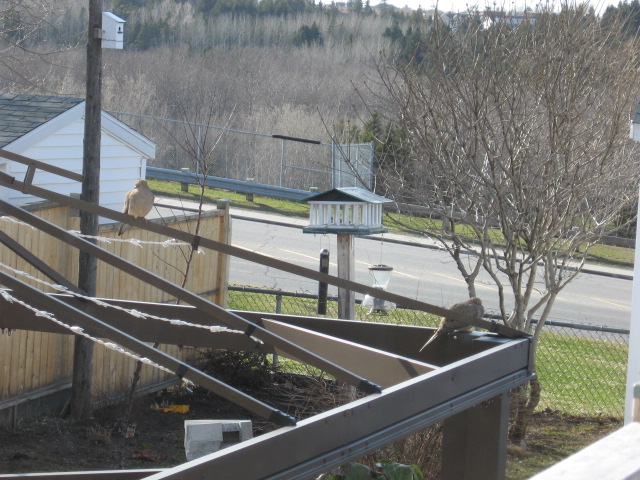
346, 212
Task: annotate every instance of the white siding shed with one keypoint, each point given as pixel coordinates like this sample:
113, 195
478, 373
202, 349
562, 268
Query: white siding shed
51, 129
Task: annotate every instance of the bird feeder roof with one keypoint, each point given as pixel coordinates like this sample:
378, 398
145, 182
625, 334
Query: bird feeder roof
346, 194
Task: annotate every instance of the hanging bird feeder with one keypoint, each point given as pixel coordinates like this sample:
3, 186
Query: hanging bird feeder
380, 274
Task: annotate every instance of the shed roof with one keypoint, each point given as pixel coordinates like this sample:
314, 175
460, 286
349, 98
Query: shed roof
21, 114
346, 194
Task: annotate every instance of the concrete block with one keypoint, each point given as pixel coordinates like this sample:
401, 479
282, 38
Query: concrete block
207, 436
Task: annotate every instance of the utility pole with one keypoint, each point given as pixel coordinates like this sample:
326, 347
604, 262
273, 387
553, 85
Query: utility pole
83, 352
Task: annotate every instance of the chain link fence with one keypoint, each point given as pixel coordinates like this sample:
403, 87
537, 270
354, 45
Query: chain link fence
277, 160
582, 368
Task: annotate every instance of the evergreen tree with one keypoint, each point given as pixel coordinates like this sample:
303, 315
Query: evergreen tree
308, 35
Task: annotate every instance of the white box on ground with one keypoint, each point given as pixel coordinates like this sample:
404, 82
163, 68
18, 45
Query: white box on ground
202, 437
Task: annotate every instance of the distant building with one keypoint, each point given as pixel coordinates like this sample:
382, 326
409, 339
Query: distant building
487, 17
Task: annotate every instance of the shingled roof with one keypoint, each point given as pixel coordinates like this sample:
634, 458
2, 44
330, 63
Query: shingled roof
20, 114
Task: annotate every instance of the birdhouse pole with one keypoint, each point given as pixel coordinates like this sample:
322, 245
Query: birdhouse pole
346, 271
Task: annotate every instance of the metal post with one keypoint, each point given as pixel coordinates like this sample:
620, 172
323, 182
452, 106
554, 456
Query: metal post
282, 165
184, 186
633, 364
199, 154
323, 287
274, 361
334, 166
474, 444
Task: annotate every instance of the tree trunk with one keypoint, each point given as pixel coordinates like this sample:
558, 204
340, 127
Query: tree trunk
526, 400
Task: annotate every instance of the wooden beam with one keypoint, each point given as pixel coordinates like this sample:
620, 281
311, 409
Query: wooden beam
47, 167
150, 330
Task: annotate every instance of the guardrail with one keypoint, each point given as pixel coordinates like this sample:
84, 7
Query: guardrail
241, 186
296, 195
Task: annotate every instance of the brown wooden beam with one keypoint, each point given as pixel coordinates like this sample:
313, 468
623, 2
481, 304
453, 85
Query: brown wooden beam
41, 165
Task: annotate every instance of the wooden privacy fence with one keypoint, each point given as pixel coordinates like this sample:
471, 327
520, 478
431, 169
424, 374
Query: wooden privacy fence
39, 361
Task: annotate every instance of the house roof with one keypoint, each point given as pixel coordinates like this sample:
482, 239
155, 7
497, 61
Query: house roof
346, 194
20, 114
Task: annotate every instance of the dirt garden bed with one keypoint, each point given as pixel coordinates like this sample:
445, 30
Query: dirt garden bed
154, 438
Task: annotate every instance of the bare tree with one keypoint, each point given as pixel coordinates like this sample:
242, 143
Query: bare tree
25, 40
518, 148
196, 98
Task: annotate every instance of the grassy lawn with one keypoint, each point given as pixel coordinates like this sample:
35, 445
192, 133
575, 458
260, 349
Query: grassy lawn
582, 376
237, 200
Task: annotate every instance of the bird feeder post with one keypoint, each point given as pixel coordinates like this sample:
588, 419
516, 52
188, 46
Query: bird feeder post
346, 212
346, 270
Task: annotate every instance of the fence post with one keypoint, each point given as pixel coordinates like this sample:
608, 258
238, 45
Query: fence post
184, 186
635, 412
323, 288
278, 310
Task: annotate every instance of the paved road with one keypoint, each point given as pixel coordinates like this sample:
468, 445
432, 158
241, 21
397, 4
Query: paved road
423, 273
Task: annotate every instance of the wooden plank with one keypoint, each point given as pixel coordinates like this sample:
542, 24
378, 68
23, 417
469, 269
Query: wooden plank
32, 338
17, 372
346, 271
7, 343
41, 165
614, 457
48, 364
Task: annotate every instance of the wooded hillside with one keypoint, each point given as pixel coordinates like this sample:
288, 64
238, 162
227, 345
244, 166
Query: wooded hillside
288, 68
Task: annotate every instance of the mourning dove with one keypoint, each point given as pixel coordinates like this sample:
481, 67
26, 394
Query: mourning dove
471, 307
138, 202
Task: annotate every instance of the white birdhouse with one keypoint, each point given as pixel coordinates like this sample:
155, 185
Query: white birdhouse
112, 31
349, 210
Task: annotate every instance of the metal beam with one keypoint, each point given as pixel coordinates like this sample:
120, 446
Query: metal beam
343, 434
96, 475
151, 330
379, 366
474, 445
